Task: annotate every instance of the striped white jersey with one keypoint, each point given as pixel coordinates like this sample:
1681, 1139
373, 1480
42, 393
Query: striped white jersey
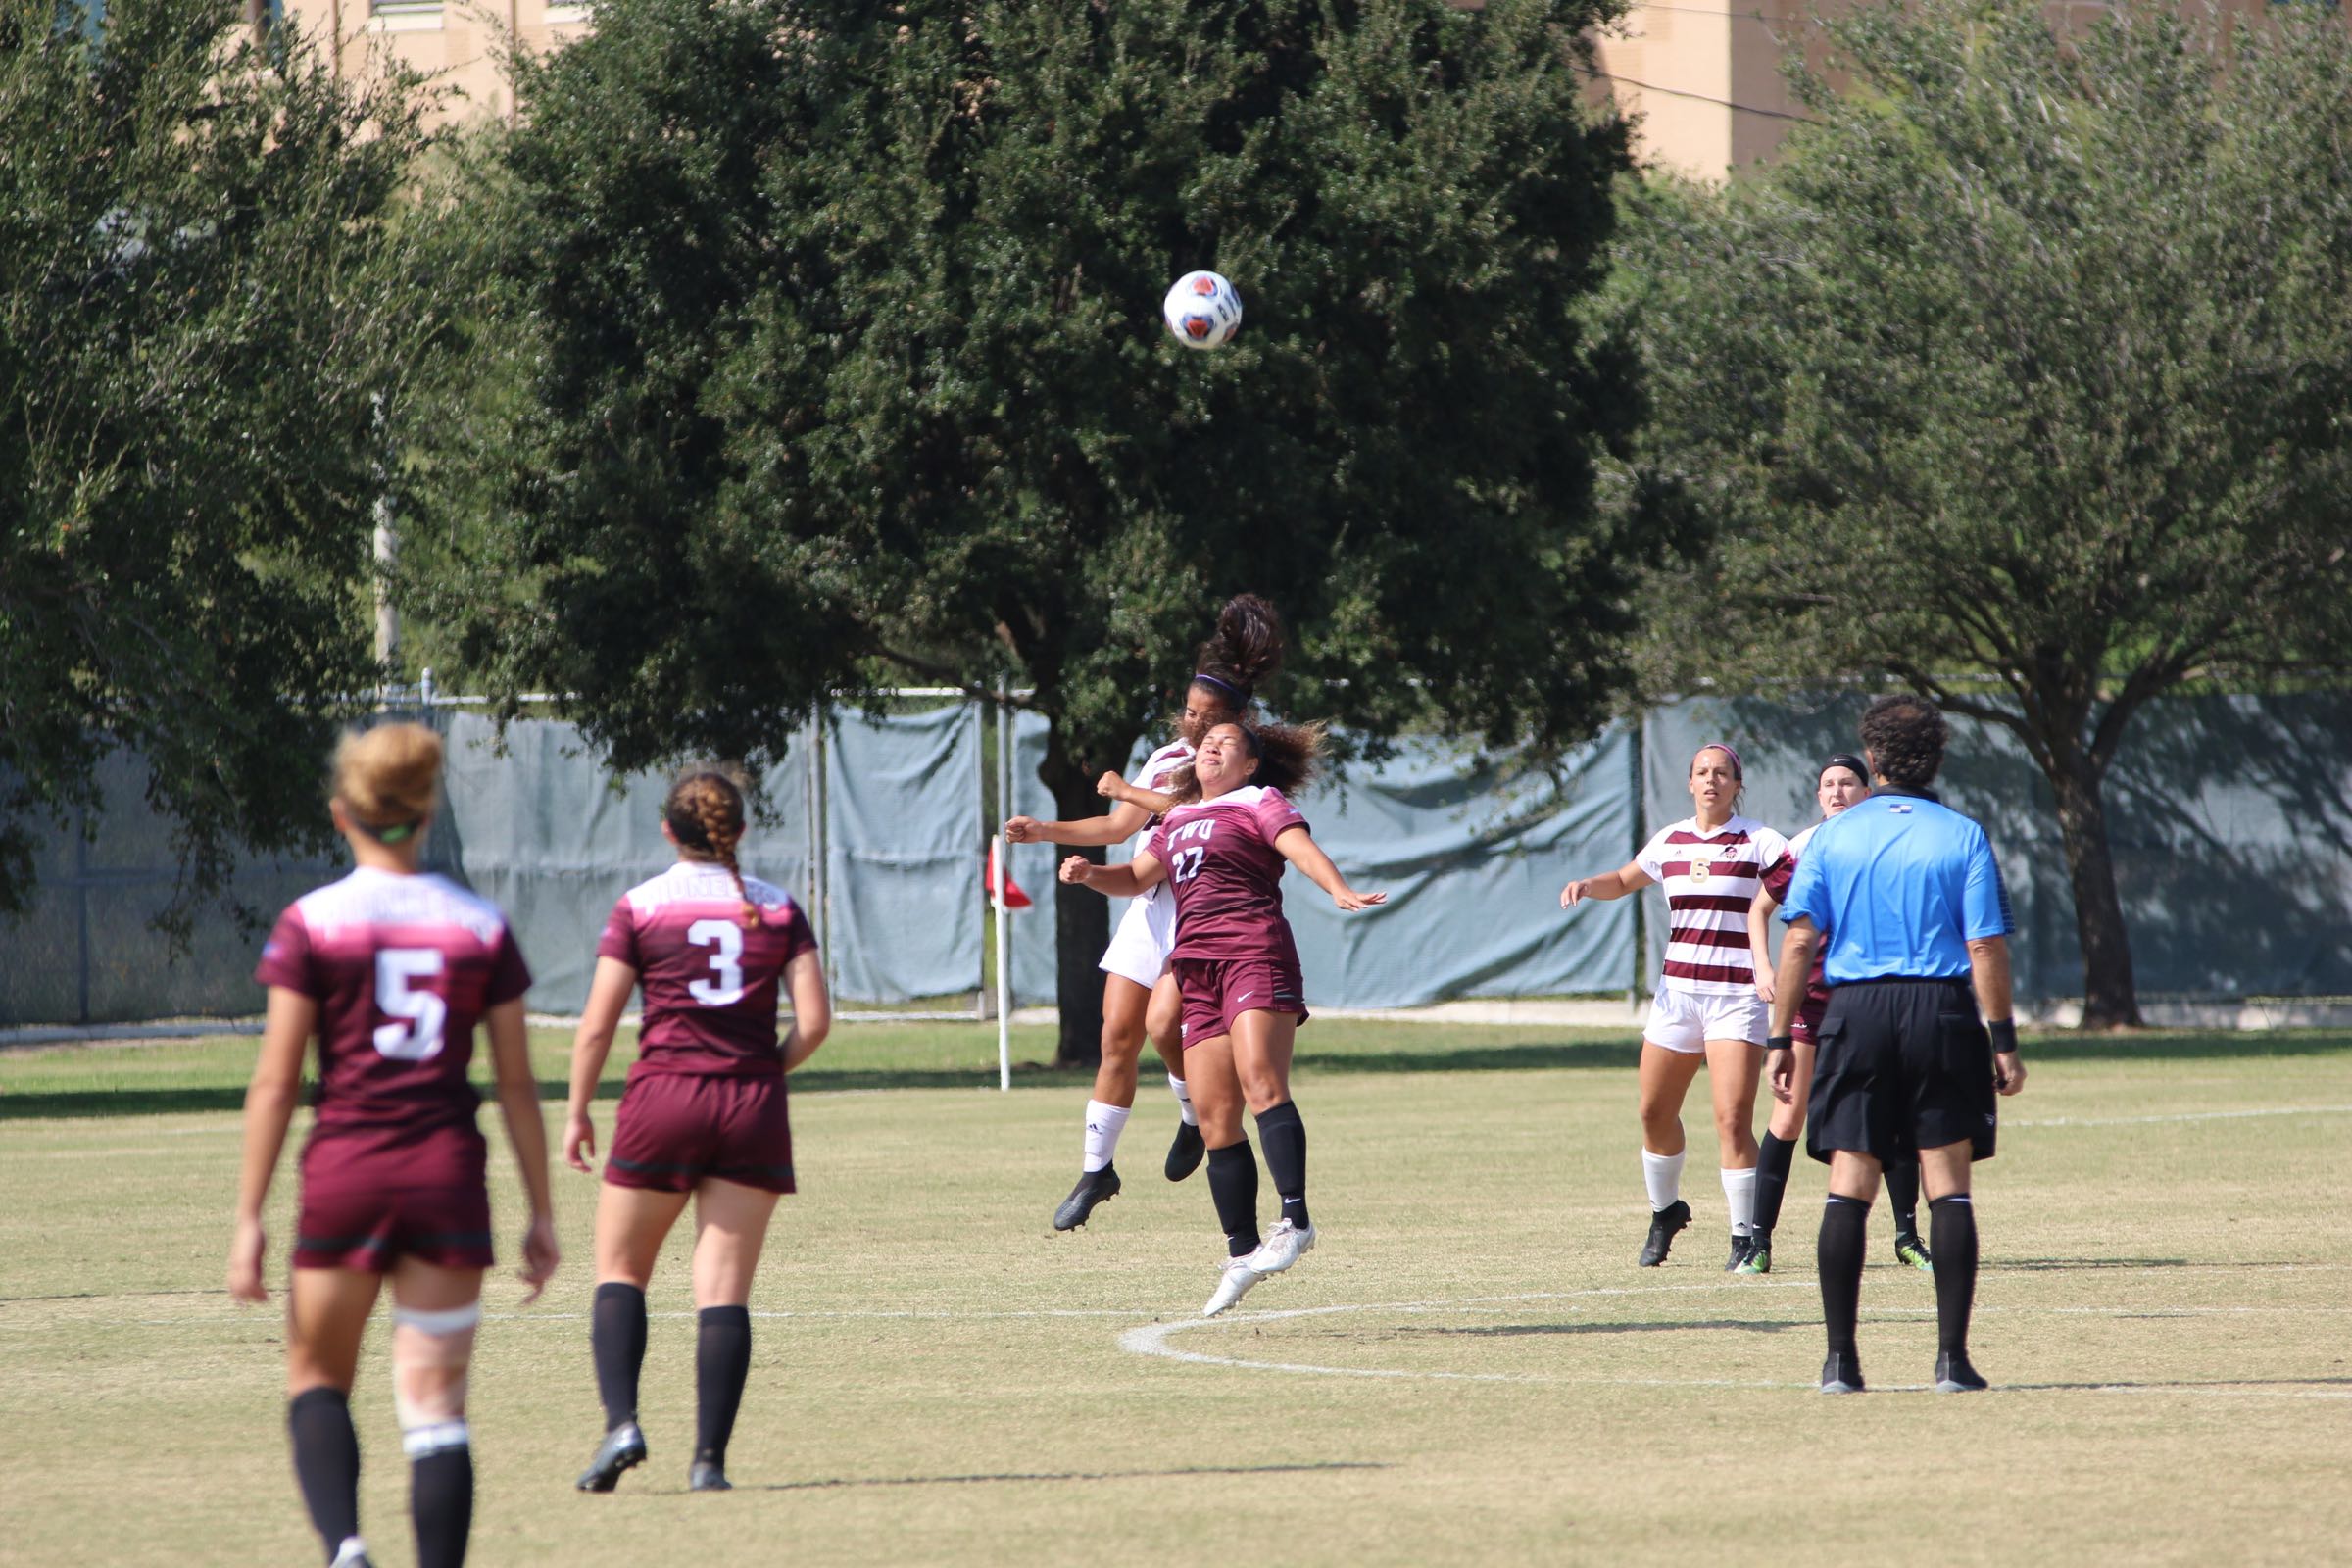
1710, 879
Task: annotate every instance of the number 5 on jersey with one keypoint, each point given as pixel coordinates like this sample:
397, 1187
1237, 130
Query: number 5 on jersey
724, 988
419, 1014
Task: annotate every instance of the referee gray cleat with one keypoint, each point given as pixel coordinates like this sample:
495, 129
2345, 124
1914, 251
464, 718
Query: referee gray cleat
1663, 1224
1095, 1187
622, 1448
704, 1475
1954, 1375
1842, 1373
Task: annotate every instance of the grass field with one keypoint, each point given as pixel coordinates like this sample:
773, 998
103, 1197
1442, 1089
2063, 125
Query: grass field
1468, 1370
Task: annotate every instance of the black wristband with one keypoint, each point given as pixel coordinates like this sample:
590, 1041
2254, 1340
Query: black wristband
1781, 1043
2004, 1035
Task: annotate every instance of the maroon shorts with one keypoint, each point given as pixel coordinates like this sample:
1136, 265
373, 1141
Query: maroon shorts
1806, 1025
675, 1127
1217, 991
427, 1200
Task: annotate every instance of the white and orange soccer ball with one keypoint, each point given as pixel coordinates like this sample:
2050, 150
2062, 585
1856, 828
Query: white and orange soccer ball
1203, 310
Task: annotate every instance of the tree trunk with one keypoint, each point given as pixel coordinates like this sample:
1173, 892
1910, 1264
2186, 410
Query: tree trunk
2110, 995
1081, 915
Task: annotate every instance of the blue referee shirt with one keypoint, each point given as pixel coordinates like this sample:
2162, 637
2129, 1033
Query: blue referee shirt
1898, 885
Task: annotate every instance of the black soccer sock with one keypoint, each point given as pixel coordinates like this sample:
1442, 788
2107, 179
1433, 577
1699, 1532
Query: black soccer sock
1233, 1188
1952, 1222
441, 1506
722, 1359
1285, 1138
1845, 1227
616, 1339
1902, 1195
1774, 1155
326, 1462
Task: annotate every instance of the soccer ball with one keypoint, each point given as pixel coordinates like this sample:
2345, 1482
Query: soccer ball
1203, 311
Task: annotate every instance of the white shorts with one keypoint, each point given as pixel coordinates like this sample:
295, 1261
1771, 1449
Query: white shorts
1138, 949
1685, 1021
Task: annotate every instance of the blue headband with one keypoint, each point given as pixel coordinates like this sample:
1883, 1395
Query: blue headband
1204, 678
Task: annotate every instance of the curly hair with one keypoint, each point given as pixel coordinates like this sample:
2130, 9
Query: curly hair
1905, 738
1288, 756
1243, 654
705, 813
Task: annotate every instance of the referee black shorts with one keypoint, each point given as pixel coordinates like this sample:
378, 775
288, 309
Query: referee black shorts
1902, 1066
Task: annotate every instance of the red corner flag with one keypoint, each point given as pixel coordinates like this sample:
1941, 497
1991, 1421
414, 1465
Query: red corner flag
1014, 898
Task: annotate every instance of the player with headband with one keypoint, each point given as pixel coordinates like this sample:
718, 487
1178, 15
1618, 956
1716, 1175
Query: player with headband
1139, 996
389, 970
1705, 1009
1844, 779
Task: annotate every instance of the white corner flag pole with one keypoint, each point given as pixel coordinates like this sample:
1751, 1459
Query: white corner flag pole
1001, 854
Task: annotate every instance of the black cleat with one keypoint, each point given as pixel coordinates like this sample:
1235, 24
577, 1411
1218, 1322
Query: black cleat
1743, 1248
1663, 1224
1954, 1375
1185, 1153
1842, 1373
1095, 1187
705, 1476
623, 1448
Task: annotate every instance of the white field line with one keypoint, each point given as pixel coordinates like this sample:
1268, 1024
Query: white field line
2192, 1115
1152, 1339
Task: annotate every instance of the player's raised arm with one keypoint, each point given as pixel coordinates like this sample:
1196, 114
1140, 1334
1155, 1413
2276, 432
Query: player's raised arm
1123, 821
1115, 881
1299, 847
1627, 878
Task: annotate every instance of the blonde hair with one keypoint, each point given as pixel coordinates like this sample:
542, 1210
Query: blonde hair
388, 778
705, 813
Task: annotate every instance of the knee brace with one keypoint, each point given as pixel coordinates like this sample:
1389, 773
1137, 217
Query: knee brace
430, 1352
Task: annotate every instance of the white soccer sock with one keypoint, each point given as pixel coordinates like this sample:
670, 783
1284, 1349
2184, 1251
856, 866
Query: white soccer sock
1663, 1175
1104, 1124
1739, 1196
1184, 1102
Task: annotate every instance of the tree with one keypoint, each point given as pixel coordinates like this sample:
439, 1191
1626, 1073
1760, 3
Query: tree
847, 368
2031, 357
205, 304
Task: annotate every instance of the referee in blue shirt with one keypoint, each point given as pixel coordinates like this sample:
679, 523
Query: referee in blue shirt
1918, 1038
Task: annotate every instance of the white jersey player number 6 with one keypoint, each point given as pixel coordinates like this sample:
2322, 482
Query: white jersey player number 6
417, 1037
725, 938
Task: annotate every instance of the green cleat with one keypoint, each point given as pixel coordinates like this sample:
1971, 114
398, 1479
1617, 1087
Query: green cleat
1759, 1255
1909, 1248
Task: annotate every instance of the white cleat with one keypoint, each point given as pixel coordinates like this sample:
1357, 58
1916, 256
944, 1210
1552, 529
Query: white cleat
1240, 1274
1282, 1247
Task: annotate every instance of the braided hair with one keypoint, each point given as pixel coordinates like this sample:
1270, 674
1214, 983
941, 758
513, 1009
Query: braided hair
705, 813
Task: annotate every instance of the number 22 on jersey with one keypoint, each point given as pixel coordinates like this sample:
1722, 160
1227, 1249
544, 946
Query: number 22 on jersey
724, 937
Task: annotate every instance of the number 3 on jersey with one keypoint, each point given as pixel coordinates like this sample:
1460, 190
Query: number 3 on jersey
725, 987
416, 1035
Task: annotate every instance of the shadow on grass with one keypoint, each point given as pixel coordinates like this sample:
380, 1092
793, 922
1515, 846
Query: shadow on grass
1519, 1056
983, 1479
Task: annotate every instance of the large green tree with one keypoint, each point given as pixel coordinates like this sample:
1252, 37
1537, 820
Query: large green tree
846, 369
206, 304
2031, 357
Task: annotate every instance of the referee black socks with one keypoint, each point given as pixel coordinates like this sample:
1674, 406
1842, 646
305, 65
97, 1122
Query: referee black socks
1952, 1235
1845, 1228
1902, 1196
